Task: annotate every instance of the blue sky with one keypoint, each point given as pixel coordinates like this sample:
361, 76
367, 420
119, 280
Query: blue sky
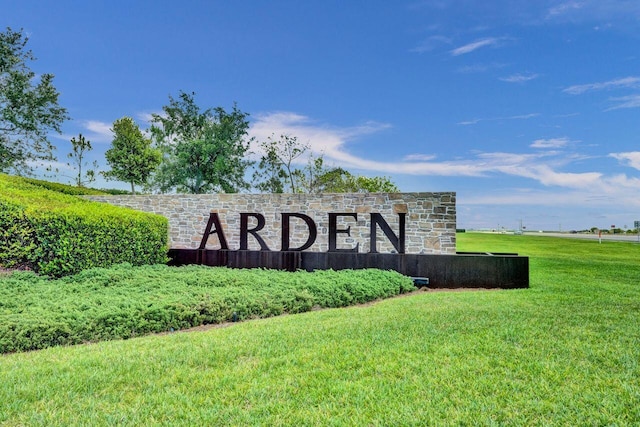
529, 110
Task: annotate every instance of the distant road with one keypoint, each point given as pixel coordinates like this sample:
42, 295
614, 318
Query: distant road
605, 237
589, 236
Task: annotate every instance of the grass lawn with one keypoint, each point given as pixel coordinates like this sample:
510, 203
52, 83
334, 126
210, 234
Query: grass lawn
564, 352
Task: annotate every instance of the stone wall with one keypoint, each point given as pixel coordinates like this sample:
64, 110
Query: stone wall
430, 218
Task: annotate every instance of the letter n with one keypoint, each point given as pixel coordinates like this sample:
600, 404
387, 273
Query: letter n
397, 242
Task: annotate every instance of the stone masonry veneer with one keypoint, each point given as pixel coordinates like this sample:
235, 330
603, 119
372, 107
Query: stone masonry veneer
430, 218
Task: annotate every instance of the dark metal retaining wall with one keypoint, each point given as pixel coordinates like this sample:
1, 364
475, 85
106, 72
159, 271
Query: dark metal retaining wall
464, 270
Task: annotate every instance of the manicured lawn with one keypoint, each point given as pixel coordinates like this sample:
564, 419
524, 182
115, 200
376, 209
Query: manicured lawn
564, 352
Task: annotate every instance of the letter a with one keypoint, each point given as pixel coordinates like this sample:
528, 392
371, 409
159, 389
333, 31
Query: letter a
214, 220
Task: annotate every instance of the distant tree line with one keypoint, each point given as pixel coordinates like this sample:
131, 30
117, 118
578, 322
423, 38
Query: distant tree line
186, 150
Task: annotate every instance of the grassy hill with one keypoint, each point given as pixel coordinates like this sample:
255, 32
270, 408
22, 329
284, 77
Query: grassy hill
564, 352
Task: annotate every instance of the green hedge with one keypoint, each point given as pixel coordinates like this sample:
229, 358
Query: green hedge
58, 234
63, 188
114, 191
73, 190
16, 237
125, 301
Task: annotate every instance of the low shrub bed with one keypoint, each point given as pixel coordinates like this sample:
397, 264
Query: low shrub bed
59, 234
125, 301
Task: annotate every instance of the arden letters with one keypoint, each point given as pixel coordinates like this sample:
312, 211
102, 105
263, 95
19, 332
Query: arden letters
376, 221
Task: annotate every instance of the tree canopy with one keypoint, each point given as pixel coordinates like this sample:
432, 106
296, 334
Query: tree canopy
315, 177
131, 157
275, 172
29, 107
202, 151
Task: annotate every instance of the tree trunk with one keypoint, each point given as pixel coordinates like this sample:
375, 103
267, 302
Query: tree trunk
133, 189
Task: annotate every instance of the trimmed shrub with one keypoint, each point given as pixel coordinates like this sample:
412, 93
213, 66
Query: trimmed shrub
58, 234
124, 301
114, 191
16, 240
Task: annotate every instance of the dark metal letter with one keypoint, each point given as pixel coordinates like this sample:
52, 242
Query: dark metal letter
214, 220
244, 231
397, 242
313, 231
333, 231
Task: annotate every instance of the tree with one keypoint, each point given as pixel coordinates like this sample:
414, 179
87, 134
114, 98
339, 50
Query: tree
29, 107
132, 159
373, 184
275, 171
317, 178
80, 146
203, 151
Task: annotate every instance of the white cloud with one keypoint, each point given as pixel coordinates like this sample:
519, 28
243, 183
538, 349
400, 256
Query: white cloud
93, 130
322, 139
550, 143
470, 47
564, 8
469, 122
626, 82
528, 197
517, 117
418, 157
546, 176
480, 68
608, 12
519, 78
147, 116
534, 166
551, 169
629, 101
430, 44
522, 116
631, 158
97, 127
613, 193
